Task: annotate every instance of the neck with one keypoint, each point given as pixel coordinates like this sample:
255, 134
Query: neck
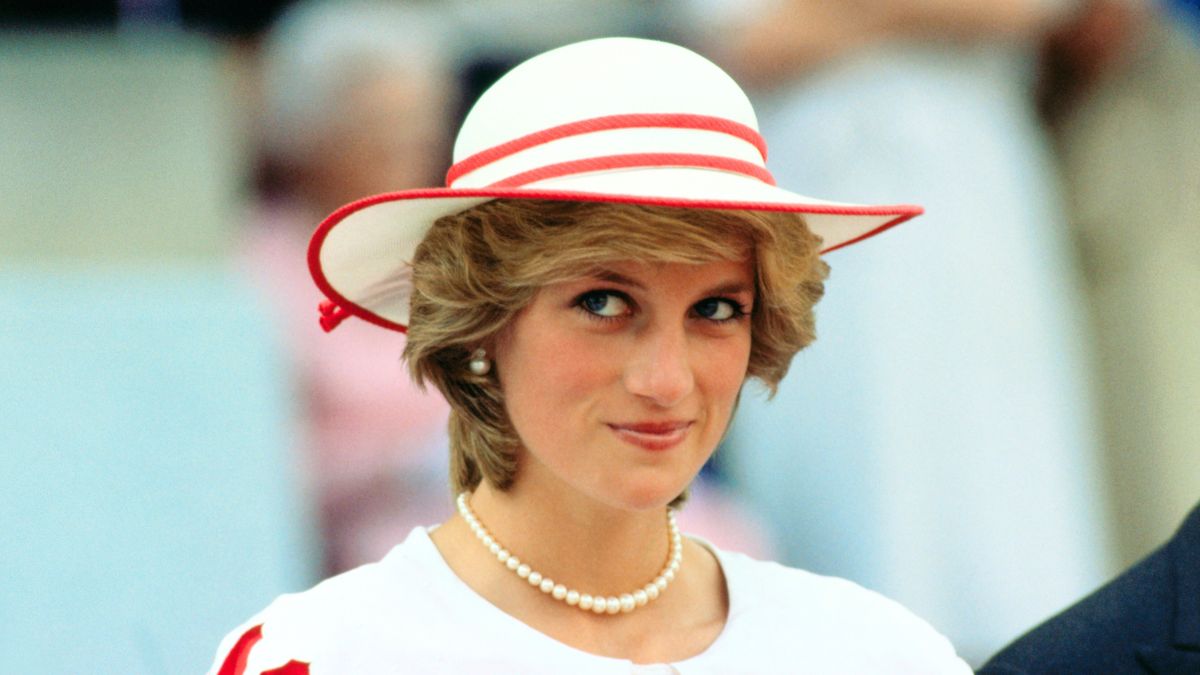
582, 543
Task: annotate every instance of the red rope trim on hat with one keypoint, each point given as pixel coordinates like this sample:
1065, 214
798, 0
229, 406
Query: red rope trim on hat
606, 123
898, 213
871, 233
635, 160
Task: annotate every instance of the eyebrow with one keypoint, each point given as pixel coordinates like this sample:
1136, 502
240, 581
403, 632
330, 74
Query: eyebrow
616, 278
731, 288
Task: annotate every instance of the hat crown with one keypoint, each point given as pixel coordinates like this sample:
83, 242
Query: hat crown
600, 78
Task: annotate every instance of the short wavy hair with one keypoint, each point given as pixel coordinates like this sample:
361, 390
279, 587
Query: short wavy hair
475, 270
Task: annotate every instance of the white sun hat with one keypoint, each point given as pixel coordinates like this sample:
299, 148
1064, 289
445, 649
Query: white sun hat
619, 120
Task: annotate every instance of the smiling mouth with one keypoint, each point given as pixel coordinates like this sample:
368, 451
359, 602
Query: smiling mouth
652, 435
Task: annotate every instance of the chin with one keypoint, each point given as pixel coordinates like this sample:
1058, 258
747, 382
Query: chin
649, 496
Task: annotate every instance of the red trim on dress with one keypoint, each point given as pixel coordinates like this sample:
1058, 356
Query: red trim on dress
235, 661
606, 123
642, 159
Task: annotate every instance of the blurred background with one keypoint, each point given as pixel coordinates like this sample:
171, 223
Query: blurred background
1000, 414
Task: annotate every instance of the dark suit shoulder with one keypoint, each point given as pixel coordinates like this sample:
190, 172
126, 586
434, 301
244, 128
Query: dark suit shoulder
1147, 620
1101, 633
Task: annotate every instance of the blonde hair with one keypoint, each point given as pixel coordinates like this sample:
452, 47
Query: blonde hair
476, 269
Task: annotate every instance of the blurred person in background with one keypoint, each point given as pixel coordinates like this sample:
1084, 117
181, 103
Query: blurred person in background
357, 99
1121, 91
942, 427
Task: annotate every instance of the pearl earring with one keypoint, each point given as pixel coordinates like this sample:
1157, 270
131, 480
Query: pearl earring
479, 363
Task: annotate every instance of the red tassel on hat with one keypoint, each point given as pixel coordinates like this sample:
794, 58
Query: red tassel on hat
332, 314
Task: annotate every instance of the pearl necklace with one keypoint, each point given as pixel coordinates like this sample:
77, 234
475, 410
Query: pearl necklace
626, 602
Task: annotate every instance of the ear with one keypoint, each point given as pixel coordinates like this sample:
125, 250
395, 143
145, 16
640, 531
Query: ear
497, 344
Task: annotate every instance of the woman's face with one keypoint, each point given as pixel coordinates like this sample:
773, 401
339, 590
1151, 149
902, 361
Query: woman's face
621, 383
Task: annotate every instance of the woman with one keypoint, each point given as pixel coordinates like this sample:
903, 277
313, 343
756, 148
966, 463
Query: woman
610, 263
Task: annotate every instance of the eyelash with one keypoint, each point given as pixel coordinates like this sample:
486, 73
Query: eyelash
739, 310
583, 297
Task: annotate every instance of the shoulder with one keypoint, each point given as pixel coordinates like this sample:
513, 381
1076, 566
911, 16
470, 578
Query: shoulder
1106, 631
771, 587
841, 624
341, 618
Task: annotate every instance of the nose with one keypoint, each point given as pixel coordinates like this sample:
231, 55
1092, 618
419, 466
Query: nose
660, 370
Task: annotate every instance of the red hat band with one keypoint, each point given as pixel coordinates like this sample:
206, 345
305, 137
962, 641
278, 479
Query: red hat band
654, 140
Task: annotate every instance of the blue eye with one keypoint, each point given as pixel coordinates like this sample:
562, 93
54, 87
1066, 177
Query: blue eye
718, 309
605, 304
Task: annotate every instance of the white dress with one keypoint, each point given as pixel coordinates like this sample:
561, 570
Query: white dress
410, 613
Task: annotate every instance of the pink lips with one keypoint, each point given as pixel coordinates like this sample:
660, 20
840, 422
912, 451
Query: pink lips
652, 435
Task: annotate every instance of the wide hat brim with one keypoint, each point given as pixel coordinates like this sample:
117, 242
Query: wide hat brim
359, 256
617, 120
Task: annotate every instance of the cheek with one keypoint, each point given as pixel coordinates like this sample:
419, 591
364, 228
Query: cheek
726, 371
550, 382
